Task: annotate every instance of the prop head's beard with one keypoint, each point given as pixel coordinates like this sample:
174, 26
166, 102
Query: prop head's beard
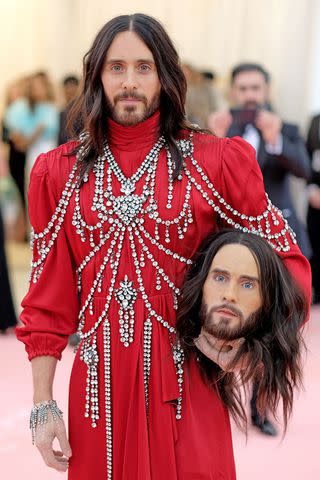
223, 328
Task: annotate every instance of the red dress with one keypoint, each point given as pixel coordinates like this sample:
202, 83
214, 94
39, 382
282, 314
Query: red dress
143, 439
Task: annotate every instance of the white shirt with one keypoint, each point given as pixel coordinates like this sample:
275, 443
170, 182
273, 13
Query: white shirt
251, 135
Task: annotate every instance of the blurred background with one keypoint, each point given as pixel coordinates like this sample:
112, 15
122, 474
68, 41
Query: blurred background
210, 34
42, 46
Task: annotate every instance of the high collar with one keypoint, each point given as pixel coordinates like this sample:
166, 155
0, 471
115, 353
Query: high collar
136, 137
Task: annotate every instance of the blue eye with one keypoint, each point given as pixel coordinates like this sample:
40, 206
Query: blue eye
219, 278
248, 285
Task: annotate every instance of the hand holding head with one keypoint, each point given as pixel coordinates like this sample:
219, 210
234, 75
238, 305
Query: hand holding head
223, 353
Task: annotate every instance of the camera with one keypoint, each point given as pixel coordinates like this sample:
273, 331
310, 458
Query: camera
244, 116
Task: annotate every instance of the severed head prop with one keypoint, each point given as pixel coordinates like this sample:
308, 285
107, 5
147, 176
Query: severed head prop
238, 290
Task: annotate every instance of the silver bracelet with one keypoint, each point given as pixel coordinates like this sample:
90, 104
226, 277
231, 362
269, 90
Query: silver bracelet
39, 415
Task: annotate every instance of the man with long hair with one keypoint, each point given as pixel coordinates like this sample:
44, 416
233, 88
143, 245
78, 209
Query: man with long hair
117, 216
240, 311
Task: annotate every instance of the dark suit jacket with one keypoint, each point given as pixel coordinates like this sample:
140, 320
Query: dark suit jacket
64, 135
313, 143
276, 170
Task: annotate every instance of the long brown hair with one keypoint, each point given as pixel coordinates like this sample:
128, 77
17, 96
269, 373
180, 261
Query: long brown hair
90, 111
275, 343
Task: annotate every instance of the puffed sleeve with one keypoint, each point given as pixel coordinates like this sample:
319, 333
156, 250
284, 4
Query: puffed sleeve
243, 189
50, 308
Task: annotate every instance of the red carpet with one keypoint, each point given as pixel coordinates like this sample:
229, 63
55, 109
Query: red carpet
293, 458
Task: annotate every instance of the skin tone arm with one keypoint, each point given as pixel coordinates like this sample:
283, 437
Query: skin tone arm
22, 143
43, 370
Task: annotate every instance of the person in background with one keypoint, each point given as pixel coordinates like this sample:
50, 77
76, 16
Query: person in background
313, 216
16, 157
109, 264
33, 121
70, 92
70, 86
202, 97
8, 317
280, 150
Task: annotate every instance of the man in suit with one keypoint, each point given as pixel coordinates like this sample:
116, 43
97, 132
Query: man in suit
280, 150
313, 218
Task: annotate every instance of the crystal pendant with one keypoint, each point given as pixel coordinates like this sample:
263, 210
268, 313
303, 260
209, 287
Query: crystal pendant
126, 296
89, 355
127, 207
128, 187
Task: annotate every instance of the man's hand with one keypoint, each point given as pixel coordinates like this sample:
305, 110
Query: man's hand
219, 122
270, 126
221, 352
44, 436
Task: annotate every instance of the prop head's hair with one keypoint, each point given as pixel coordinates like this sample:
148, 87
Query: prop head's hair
276, 342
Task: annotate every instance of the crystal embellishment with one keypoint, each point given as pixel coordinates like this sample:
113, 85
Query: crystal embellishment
127, 207
89, 355
122, 218
126, 296
39, 415
127, 187
147, 341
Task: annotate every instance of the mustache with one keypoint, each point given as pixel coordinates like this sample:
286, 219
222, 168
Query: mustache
220, 331
130, 94
252, 105
247, 326
226, 306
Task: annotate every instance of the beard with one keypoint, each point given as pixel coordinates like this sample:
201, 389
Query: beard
223, 330
252, 105
130, 115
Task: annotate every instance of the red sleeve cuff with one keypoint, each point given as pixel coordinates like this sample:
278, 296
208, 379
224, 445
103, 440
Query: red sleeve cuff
42, 343
43, 353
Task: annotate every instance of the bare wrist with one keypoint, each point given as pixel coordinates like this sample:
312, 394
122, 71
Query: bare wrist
42, 397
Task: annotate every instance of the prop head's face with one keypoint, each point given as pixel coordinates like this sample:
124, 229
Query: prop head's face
130, 79
231, 296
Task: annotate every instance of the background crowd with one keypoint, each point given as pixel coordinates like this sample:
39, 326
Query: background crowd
236, 99
35, 121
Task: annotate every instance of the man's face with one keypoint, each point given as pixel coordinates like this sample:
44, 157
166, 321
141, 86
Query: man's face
130, 80
249, 90
231, 294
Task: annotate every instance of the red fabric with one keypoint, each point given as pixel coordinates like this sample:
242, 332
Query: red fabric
199, 446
